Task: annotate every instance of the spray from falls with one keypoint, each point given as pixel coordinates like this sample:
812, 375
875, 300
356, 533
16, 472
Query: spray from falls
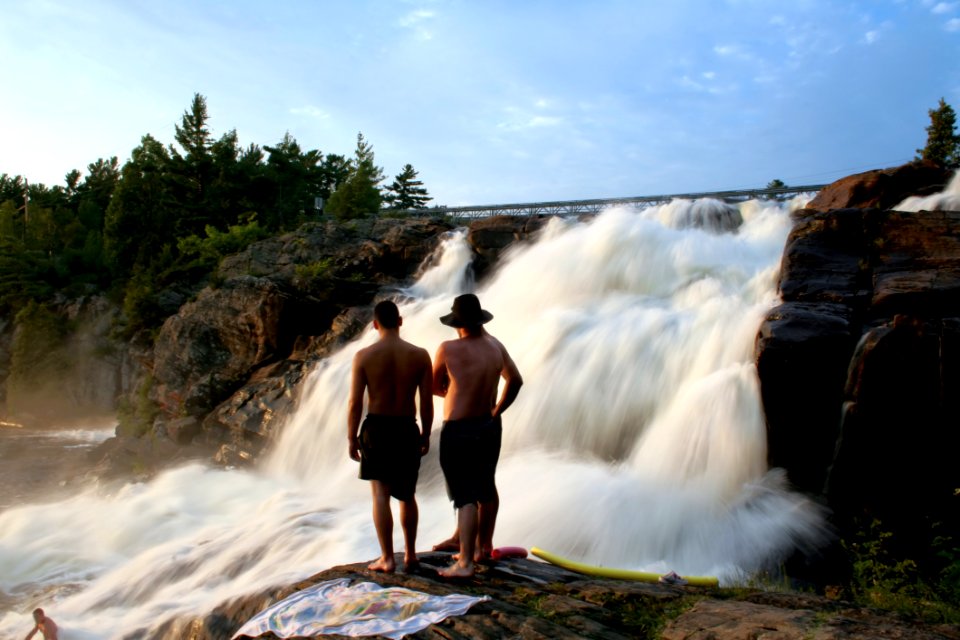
637, 440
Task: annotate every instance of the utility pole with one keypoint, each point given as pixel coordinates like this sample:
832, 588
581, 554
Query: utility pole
26, 208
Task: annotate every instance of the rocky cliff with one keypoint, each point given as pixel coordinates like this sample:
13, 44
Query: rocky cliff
531, 600
860, 364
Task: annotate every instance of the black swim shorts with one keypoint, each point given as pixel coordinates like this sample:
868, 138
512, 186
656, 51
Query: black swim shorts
390, 453
469, 450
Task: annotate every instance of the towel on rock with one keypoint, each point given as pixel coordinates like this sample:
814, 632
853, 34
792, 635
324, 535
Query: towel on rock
364, 609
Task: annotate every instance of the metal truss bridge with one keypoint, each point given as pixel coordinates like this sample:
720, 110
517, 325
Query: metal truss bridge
587, 207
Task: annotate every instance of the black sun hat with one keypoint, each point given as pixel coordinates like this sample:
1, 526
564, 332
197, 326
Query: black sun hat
466, 312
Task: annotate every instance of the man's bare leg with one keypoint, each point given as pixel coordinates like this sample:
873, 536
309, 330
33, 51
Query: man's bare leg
409, 518
487, 523
467, 523
383, 521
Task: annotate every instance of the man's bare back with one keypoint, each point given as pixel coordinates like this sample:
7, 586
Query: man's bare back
393, 369
468, 372
393, 374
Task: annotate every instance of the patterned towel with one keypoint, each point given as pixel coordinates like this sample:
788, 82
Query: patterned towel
365, 609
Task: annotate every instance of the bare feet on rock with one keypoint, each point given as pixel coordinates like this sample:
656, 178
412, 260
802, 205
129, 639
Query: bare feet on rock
457, 570
386, 564
450, 544
411, 565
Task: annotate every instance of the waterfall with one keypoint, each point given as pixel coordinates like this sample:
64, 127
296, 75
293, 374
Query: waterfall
637, 440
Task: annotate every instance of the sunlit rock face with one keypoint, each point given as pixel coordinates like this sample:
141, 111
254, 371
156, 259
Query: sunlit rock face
882, 188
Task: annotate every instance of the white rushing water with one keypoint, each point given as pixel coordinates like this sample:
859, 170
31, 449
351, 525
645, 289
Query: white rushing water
637, 441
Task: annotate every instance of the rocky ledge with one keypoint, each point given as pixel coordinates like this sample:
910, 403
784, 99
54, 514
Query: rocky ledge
531, 599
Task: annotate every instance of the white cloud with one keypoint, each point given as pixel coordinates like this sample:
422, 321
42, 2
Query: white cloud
414, 18
709, 75
725, 49
310, 111
871, 36
545, 121
953, 24
943, 7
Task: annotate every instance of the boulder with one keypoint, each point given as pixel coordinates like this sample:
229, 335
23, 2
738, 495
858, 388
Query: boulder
489, 237
881, 188
210, 347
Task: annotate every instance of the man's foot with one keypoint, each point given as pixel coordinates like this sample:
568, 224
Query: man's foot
383, 565
450, 544
457, 570
483, 555
411, 564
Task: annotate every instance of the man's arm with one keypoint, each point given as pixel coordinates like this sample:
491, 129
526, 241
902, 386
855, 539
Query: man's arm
36, 628
426, 404
441, 377
358, 383
513, 381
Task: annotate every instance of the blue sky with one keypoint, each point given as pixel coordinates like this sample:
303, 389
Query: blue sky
494, 101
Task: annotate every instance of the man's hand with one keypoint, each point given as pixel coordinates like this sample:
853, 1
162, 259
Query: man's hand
353, 448
424, 444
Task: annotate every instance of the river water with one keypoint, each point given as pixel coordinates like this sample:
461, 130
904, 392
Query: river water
637, 441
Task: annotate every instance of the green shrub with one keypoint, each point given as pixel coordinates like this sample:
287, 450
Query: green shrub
883, 580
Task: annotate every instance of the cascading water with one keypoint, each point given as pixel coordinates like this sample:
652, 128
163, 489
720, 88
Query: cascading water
637, 440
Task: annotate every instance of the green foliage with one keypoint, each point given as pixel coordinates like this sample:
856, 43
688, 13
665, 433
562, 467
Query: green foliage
358, 196
135, 415
943, 143
320, 270
37, 342
39, 358
208, 251
162, 222
25, 275
406, 192
883, 580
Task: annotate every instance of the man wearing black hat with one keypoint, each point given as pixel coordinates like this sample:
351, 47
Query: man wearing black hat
466, 373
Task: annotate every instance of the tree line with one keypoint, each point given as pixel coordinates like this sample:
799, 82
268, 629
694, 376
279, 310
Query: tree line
171, 211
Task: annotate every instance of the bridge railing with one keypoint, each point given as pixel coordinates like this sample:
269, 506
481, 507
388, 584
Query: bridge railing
586, 207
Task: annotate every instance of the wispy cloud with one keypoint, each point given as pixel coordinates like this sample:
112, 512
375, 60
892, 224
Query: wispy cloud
417, 21
310, 111
943, 7
953, 24
871, 36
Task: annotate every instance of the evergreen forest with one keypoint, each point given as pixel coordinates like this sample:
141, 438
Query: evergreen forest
170, 212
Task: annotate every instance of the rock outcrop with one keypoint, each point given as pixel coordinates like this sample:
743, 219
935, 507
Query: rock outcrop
533, 600
225, 367
860, 366
881, 188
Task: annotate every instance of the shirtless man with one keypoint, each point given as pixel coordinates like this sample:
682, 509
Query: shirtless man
466, 373
394, 374
44, 625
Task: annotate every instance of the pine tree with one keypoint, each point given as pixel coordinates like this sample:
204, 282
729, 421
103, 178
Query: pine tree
943, 144
359, 195
192, 172
407, 192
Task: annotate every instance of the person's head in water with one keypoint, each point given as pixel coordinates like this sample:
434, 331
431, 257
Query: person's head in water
467, 314
386, 315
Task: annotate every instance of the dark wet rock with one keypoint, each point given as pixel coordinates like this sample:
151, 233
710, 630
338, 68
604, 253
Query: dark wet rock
534, 600
489, 237
859, 366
